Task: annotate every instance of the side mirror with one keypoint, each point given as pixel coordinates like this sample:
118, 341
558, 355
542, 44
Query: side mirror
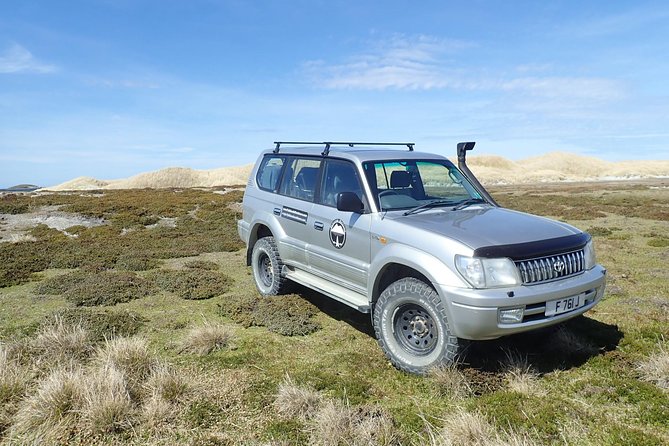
349, 202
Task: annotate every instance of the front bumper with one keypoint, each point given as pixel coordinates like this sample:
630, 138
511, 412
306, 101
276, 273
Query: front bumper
474, 313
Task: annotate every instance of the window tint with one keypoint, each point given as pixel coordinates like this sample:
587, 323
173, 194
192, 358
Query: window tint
339, 176
300, 178
269, 173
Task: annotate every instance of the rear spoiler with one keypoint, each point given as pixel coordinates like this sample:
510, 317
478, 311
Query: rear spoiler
462, 165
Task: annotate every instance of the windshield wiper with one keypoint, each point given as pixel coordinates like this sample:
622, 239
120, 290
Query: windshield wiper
430, 205
468, 202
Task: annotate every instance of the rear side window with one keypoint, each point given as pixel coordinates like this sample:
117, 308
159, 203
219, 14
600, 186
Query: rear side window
269, 173
301, 178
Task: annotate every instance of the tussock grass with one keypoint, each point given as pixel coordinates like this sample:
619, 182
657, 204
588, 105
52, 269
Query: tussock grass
293, 401
131, 358
191, 284
100, 323
336, 423
107, 406
655, 368
60, 343
166, 390
331, 421
520, 375
206, 338
449, 381
14, 380
288, 315
51, 413
461, 427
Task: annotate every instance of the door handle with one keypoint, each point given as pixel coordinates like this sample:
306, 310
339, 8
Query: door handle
318, 226
277, 211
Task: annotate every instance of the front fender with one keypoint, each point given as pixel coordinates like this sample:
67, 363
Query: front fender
425, 263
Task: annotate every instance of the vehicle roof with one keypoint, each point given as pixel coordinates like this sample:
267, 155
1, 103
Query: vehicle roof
356, 154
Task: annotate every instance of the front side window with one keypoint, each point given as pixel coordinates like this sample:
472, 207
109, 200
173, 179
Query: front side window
406, 184
269, 173
339, 176
300, 178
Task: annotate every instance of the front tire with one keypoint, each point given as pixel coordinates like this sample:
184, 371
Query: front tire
412, 328
267, 266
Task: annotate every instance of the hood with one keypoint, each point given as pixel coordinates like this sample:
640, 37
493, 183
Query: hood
483, 226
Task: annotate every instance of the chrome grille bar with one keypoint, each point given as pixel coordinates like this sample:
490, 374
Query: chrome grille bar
553, 267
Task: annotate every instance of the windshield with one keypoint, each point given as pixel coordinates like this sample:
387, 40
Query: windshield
407, 184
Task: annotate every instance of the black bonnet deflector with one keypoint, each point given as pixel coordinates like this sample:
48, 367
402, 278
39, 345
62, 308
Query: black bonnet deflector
530, 250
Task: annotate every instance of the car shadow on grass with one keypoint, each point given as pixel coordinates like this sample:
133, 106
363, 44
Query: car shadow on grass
561, 347
337, 310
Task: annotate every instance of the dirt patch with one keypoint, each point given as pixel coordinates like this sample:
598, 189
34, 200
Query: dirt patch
13, 227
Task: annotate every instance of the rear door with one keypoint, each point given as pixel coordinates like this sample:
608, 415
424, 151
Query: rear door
340, 241
293, 206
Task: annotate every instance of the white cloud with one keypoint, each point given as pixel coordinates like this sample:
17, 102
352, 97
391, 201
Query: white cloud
17, 59
427, 63
399, 63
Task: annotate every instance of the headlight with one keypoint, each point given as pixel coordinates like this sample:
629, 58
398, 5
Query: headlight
487, 273
589, 255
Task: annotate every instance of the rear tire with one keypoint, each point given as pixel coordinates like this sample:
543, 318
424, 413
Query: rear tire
412, 328
267, 267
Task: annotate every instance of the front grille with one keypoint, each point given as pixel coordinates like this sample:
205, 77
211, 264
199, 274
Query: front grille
549, 268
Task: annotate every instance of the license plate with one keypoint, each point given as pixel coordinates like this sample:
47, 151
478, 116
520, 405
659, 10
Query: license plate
564, 305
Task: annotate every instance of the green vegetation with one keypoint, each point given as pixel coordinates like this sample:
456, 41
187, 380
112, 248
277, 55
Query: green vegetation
191, 284
148, 330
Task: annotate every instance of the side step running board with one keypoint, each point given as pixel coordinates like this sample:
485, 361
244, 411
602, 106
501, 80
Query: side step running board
336, 292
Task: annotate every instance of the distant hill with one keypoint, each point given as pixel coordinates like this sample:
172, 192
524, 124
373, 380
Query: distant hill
21, 188
490, 169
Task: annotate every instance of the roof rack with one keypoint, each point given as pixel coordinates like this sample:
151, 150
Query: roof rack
327, 144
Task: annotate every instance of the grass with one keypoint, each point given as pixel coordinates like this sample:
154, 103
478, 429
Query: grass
91, 287
149, 377
655, 368
288, 315
206, 338
192, 284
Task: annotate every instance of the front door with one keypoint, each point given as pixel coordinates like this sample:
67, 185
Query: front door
340, 241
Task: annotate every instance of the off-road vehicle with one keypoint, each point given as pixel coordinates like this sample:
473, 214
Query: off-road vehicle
414, 241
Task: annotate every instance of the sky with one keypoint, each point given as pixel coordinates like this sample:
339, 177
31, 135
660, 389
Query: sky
112, 88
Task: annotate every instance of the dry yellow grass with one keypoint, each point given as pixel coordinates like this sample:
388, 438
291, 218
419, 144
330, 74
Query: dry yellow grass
293, 401
61, 343
131, 358
472, 429
206, 338
337, 423
449, 381
107, 406
51, 413
655, 368
520, 375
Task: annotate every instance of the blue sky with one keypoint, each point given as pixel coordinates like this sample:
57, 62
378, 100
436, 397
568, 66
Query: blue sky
111, 88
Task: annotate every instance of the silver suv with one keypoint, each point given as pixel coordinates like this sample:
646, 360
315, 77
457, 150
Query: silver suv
414, 241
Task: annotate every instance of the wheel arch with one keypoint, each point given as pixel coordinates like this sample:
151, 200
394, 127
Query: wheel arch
258, 231
399, 261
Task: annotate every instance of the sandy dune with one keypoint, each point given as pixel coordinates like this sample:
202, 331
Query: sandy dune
490, 169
